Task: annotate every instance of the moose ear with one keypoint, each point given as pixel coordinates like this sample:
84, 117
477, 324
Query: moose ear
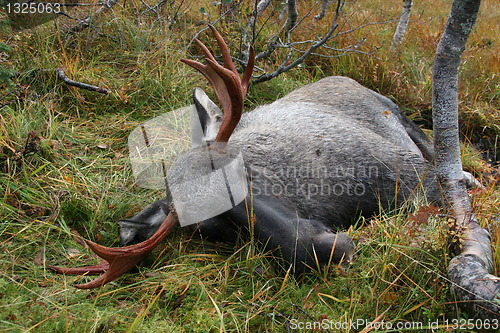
206, 119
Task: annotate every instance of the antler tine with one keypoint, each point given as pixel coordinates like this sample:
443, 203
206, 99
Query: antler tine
205, 49
245, 81
215, 80
231, 80
119, 260
228, 62
232, 111
211, 74
226, 56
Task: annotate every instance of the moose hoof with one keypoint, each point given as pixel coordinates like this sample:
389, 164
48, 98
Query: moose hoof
331, 247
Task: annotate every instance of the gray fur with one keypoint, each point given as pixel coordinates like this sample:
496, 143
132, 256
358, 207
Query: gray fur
337, 126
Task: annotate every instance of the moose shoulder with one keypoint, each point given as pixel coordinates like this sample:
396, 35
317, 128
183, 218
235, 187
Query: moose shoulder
317, 159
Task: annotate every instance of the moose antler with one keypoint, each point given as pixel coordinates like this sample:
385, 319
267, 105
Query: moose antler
231, 93
119, 260
229, 88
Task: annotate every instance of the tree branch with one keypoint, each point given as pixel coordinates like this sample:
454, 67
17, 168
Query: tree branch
322, 14
83, 24
298, 61
470, 271
293, 15
262, 6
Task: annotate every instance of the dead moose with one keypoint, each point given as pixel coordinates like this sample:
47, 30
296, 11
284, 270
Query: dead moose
316, 160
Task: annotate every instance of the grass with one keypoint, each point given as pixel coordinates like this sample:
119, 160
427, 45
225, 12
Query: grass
80, 179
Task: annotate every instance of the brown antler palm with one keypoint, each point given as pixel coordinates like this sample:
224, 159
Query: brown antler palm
230, 91
119, 260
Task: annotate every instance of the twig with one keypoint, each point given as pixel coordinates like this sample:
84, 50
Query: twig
80, 21
86, 23
174, 16
153, 9
261, 6
65, 79
403, 23
284, 67
272, 44
214, 23
258, 10
74, 4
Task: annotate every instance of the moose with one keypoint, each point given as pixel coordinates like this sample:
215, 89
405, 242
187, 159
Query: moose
316, 160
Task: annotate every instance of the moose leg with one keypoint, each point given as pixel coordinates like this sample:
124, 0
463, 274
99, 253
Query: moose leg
219, 229
303, 243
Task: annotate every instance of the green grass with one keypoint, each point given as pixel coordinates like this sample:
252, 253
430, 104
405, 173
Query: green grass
80, 179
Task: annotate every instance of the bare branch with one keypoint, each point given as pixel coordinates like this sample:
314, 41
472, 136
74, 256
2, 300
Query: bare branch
214, 23
293, 15
273, 43
284, 67
73, 18
324, 7
262, 6
68, 81
153, 9
176, 12
295, 50
83, 24
79, 4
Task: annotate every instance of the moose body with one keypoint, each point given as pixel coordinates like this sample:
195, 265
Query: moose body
317, 159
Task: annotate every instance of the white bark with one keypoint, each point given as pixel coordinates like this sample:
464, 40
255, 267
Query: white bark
293, 15
403, 23
262, 6
322, 14
470, 271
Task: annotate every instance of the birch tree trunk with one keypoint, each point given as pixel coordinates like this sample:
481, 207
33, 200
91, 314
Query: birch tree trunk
470, 271
403, 23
